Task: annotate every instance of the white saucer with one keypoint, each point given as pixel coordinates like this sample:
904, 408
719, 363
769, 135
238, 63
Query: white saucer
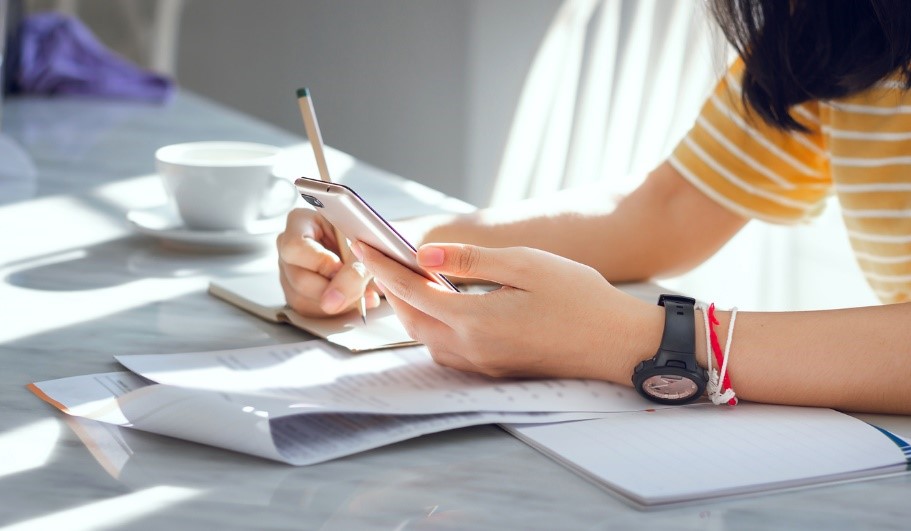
163, 223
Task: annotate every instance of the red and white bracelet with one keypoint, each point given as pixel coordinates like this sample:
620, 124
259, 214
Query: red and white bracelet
719, 386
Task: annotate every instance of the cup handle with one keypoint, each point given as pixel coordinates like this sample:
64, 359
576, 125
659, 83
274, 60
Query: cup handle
271, 207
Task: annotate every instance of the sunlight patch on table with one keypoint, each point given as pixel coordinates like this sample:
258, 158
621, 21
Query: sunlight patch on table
27, 312
28, 447
110, 513
50, 225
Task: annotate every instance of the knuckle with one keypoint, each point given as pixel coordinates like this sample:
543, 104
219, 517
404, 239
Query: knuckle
299, 215
468, 259
524, 267
281, 243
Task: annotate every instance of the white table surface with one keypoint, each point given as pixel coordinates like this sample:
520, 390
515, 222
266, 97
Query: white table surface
78, 286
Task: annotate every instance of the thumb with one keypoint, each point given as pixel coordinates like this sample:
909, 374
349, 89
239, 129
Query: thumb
509, 266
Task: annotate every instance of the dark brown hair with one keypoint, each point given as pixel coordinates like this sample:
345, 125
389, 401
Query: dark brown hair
801, 50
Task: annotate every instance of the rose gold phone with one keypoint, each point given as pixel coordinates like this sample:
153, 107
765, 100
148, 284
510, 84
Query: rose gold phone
357, 220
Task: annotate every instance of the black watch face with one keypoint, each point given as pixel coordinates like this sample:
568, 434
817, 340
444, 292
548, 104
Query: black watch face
670, 387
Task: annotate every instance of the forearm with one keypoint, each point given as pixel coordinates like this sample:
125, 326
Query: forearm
665, 226
856, 359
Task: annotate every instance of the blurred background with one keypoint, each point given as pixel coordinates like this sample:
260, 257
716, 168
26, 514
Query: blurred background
423, 88
487, 100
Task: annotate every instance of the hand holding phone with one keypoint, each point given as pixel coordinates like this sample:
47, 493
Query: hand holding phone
358, 221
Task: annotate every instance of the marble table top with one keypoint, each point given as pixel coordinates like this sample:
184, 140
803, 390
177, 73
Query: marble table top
78, 285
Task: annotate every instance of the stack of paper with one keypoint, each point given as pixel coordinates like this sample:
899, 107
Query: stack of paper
309, 402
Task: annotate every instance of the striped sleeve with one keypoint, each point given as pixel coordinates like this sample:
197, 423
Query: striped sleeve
750, 167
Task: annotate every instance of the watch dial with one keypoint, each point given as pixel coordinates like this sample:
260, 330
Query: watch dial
670, 387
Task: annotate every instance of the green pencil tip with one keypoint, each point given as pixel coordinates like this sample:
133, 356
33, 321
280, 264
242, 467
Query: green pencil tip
303, 92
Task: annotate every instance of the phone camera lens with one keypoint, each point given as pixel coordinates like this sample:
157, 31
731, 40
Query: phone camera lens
312, 200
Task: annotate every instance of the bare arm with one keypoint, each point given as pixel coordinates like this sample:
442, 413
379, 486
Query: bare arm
558, 318
855, 359
665, 226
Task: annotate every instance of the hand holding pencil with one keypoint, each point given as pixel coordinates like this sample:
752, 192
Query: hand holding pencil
316, 142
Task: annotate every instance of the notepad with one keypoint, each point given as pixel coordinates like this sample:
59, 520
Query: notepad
684, 454
262, 296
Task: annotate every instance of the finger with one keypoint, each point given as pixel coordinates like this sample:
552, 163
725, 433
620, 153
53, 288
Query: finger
307, 232
414, 289
298, 302
307, 253
306, 222
421, 327
430, 332
304, 291
509, 266
305, 283
346, 288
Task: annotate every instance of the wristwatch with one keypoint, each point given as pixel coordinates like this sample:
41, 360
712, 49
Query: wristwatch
672, 376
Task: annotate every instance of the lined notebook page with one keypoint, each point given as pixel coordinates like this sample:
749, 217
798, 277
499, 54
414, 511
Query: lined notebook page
689, 453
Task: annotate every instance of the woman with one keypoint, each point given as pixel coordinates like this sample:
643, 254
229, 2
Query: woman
819, 102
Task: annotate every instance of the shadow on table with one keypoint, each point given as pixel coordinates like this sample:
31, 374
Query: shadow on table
123, 260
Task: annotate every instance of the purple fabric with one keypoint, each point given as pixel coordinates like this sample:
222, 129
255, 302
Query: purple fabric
60, 56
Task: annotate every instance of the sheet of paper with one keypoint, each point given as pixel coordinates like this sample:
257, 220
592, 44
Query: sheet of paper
688, 453
263, 426
317, 376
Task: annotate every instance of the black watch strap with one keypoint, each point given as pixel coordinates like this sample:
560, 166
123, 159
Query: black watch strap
679, 318
673, 376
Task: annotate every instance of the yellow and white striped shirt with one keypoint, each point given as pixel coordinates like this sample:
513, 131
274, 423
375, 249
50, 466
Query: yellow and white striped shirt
858, 147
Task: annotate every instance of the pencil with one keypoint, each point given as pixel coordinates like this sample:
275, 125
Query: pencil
311, 126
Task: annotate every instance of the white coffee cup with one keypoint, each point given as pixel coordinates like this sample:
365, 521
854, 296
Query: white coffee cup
222, 186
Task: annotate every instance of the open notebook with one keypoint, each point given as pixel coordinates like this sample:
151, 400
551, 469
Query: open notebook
262, 296
685, 454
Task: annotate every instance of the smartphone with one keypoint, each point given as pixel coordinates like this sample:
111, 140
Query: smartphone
358, 221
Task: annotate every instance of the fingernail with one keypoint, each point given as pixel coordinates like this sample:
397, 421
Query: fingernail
332, 301
430, 256
358, 252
